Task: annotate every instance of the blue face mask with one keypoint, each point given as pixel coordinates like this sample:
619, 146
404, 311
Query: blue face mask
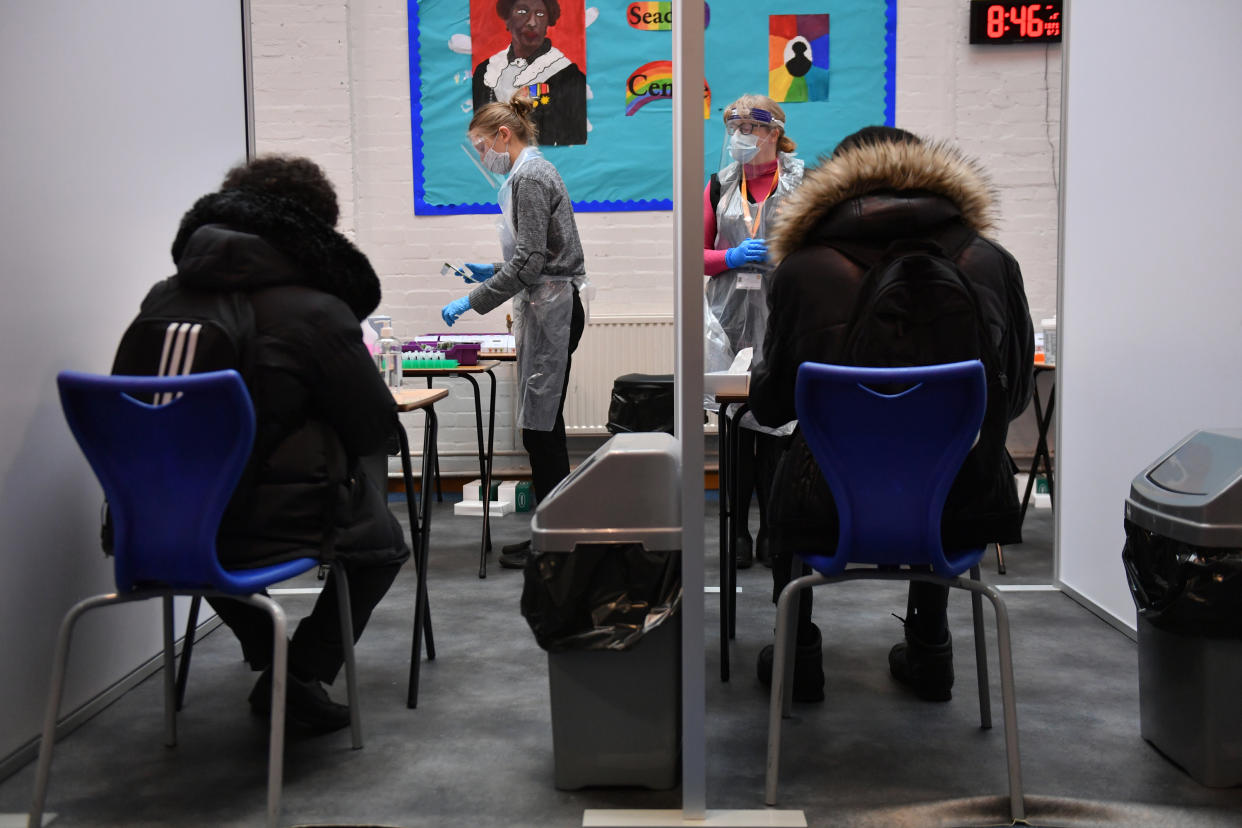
743, 147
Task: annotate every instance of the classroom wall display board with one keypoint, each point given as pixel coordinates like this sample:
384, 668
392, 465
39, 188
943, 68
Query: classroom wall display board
601, 80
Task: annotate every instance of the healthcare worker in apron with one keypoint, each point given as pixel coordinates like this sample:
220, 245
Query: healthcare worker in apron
542, 273
757, 172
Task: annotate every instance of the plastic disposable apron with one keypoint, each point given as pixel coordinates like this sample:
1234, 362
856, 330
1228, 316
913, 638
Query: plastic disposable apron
542, 314
735, 297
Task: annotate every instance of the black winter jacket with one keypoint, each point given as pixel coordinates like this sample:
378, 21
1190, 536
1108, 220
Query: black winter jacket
869, 197
319, 402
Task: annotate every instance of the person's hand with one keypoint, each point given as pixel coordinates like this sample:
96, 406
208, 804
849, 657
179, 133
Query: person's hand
455, 309
751, 250
480, 272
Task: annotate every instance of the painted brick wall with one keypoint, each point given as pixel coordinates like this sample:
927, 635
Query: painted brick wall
332, 83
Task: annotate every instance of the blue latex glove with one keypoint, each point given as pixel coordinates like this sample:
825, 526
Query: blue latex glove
751, 250
455, 309
480, 272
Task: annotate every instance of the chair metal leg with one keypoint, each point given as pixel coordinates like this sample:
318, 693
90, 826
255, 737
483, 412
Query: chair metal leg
60, 660
1017, 809
280, 674
170, 682
981, 655
782, 674
187, 649
347, 644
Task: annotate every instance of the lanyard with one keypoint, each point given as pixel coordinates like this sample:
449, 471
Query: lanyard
752, 224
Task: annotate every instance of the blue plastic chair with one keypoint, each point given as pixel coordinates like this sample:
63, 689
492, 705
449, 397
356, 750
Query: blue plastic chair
890, 457
168, 469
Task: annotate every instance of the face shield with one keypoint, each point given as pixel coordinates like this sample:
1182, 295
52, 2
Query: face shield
476, 150
750, 137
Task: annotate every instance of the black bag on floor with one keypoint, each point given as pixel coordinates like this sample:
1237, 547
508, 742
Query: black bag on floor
641, 402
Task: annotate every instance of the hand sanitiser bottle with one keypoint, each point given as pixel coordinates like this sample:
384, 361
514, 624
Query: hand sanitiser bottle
388, 357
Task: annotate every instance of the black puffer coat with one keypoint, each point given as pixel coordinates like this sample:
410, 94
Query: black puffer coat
320, 404
870, 196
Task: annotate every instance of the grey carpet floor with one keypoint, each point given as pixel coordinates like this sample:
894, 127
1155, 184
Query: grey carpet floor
478, 749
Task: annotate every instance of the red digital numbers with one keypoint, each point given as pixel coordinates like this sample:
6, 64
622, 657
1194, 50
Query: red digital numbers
1003, 18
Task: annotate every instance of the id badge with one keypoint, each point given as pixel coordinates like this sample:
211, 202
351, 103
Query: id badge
748, 280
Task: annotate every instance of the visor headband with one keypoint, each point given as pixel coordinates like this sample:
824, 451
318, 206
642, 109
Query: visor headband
761, 116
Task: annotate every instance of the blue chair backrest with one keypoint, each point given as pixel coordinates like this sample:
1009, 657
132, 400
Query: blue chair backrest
891, 458
167, 470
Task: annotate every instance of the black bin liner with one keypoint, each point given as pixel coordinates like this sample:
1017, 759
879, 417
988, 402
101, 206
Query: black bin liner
641, 402
1183, 588
602, 596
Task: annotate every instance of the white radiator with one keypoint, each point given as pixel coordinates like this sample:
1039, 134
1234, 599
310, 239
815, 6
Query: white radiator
610, 347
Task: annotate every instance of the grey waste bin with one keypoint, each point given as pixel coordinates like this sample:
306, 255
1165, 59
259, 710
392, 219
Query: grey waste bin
1183, 560
602, 594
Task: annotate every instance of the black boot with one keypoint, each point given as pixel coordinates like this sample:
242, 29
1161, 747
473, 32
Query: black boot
745, 551
925, 668
808, 679
515, 555
306, 703
762, 554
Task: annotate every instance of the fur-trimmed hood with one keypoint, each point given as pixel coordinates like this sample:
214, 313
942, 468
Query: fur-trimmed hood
935, 169
239, 240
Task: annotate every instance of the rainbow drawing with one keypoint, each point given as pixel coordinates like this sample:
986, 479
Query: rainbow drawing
650, 82
798, 57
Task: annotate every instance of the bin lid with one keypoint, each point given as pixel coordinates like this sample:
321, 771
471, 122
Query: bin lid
1193, 493
628, 491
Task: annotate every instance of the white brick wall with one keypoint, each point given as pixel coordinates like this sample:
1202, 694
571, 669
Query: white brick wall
332, 83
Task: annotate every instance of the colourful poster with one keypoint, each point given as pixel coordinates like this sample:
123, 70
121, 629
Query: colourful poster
537, 48
798, 57
601, 76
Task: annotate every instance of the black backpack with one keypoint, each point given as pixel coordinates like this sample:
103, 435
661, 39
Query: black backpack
916, 307
183, 331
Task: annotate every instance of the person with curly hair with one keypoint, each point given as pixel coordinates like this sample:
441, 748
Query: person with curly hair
260, 262
555, 84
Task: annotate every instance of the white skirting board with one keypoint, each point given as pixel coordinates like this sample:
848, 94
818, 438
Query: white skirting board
765, 818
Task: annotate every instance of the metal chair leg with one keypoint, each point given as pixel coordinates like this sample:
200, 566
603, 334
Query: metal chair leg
347, 644
981, 655
60, 660
280, 675
187, 649
170, 682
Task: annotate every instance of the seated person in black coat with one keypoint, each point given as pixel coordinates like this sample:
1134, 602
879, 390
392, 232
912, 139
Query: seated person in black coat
316, 482
882, 185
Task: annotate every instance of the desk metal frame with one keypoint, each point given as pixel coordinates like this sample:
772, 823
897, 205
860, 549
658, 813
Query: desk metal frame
729, 433
485, 456
1043, 419
420, 530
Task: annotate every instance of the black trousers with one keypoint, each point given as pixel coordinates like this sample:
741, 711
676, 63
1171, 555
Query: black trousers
548, 450
757, 456
316, 650
927, 605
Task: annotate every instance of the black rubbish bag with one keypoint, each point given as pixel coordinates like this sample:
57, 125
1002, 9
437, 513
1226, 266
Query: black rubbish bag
1182, 588
601, 596
641, 402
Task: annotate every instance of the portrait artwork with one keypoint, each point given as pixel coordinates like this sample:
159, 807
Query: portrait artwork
538, 46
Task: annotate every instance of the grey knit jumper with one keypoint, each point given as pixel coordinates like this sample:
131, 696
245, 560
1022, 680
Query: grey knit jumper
547, 237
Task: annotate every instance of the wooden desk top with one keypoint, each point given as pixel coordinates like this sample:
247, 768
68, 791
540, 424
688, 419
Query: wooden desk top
499, 356
729, 399
1045, 366
482, 367
413, 399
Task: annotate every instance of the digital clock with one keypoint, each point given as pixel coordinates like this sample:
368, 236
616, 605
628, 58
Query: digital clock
1002, 22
